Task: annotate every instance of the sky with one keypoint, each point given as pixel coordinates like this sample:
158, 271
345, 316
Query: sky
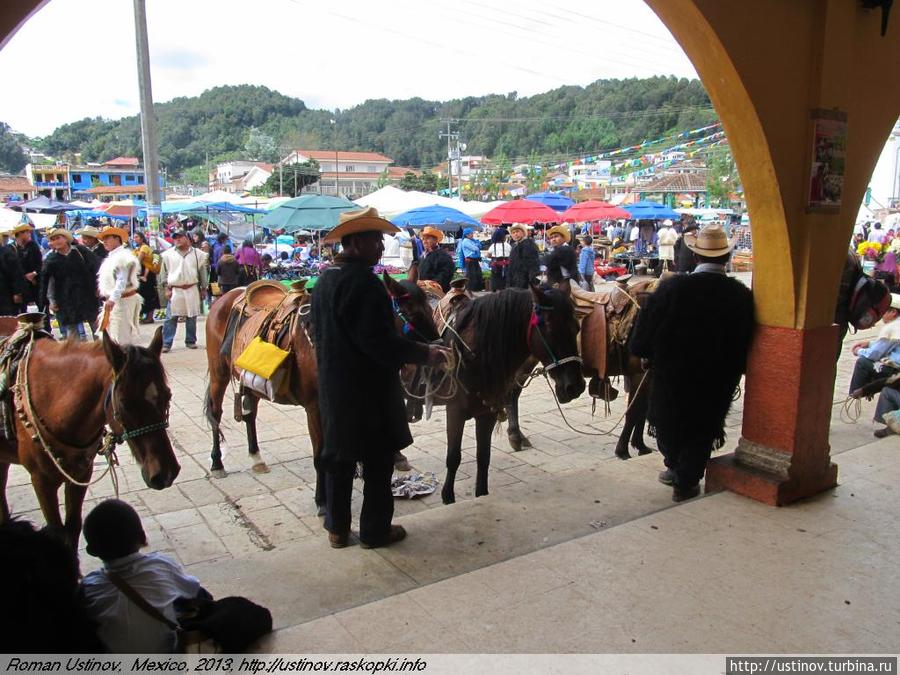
78, 56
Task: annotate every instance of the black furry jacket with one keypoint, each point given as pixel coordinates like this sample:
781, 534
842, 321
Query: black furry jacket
696, 330
561, 258
437, 266
524, 263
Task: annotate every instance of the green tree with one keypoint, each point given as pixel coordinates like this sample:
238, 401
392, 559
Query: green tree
261, 147
12, 159
290, 179
722, 178
195, 175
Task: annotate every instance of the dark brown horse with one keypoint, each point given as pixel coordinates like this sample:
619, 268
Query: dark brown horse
493, 336
67, 393
413, 315
619, 363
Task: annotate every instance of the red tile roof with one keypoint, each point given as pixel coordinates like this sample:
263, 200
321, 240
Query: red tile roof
676, 182
15, 184
122, 161
116, 190
400, 171
342, 155
351, 175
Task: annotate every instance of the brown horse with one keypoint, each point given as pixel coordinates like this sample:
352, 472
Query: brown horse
413, 315
619, 363
72, 390
493, 336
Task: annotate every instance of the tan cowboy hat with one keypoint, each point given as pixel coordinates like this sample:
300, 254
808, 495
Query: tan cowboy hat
24, 227
519, 226
60, 232
429, 231
89, 231
366, 220
562, 231
710, 242
112, 231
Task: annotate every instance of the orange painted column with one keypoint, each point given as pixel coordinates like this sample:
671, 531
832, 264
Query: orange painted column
783, 454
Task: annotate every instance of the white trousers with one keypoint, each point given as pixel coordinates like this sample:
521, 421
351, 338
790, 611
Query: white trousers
123, 320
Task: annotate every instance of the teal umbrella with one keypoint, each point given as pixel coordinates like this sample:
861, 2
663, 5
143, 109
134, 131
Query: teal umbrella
308, 212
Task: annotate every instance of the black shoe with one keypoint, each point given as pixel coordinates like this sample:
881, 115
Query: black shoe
339, 540
666, 477
679, 494
883, 433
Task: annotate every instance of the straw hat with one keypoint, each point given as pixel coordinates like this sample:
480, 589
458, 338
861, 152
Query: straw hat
429, 231
23, 227
352, 222
60, 232
518, 226
89, 231
112, 231
710, 242
562, 231
895, 300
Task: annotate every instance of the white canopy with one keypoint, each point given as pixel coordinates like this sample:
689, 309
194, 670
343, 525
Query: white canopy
391, 201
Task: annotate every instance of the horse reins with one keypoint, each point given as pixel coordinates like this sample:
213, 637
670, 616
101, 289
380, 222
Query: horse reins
535, 323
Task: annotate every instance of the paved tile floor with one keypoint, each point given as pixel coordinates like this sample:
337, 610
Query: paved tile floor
560, 557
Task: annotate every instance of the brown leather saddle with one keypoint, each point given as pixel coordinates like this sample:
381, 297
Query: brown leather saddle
270, 311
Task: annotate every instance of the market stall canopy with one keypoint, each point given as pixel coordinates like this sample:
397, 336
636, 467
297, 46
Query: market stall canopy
43, 204
520, 211
555, 200
650, 211
584, 212
441, 217
308, 212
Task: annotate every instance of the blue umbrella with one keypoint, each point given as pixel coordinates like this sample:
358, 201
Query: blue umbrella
308, 212
650, 211
442, 217
555, 200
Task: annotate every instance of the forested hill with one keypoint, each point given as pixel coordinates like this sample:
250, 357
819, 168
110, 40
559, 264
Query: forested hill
545, 127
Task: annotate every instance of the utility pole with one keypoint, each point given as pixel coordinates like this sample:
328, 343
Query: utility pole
450, 136
148, 120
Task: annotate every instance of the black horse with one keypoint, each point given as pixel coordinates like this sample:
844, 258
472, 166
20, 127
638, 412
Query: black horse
493, 335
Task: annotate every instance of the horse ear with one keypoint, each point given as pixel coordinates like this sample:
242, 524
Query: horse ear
537, 294
413, 273
114, 353
156, 343
395, 289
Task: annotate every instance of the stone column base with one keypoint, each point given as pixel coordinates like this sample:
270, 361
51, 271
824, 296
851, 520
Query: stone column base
763, 474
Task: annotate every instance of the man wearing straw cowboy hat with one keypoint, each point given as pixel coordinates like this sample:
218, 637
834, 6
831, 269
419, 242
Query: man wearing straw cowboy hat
69, 284
695, 332
90, 237
31, 261
562, 263
524, 258
118, 282
435, 263
12, 279
184, 275
359, 353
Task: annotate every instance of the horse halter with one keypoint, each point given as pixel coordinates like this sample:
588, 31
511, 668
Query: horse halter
534, 324
408, 326
111, 407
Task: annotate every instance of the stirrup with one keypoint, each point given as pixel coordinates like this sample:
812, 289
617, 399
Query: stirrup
602, 389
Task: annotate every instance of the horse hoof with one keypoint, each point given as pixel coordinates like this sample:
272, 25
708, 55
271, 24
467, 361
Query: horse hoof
479, 493
218, 473
261, 467
623, 454
448, 497
644, 450
526, 443
515, 444
320, 511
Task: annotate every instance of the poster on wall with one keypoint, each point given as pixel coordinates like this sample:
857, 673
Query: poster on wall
829, 147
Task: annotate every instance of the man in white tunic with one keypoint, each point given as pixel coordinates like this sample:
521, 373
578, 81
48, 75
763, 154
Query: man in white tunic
184, 277
117, 281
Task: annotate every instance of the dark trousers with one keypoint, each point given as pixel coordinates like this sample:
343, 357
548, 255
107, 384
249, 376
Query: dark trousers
378, 502
688, 461
888, 401
474, 275
864, 372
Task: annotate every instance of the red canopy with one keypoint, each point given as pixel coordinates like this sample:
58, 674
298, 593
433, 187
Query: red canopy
520, 211
593, 210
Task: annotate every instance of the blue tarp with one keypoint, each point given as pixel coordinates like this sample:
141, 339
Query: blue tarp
441, 217
555, 200
651, 211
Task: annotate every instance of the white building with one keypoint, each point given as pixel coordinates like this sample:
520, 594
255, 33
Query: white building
350, 174
885, 182
239, 175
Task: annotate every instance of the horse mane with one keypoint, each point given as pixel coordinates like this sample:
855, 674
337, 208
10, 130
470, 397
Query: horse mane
499, 322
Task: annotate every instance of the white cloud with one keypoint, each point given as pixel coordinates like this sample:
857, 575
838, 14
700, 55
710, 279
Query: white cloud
328, 54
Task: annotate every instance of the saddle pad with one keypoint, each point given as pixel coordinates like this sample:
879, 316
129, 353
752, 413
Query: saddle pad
261, 358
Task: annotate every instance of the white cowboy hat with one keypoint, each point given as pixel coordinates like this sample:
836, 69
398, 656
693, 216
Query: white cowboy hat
366, 220
60, 232
710, 242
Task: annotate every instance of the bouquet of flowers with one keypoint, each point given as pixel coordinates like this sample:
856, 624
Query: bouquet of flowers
870, 250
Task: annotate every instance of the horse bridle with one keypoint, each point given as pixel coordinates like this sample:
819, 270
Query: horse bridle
110, 406
534, 324
408, 326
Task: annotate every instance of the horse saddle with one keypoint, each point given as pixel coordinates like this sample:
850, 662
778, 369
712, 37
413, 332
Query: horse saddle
600, 329
454, 300
269, 311
12, 351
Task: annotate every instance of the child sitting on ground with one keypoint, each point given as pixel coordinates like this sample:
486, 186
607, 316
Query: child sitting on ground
133, 598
